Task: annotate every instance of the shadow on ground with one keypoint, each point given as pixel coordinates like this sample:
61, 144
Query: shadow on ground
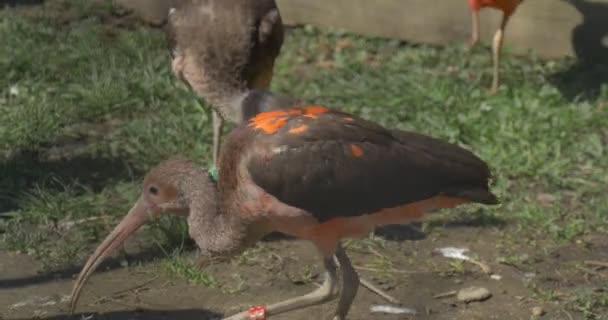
471, 221
585, 78
186, 314
400, 232
14, 3
413, 232
27, 169
410, 232
145, 256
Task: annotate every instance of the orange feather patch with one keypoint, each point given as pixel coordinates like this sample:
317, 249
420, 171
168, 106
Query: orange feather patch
315, 110
356, 150
271, 121
298, 129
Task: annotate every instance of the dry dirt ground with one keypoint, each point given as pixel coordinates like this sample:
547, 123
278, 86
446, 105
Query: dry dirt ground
559, 278
284, 268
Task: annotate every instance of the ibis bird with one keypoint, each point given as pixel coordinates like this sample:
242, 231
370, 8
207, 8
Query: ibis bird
310, 172
508, 8
218, 46
221, 47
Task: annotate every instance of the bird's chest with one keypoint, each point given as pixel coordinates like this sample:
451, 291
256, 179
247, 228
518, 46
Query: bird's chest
505, 5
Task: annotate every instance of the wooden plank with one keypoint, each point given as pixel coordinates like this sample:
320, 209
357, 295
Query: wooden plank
551, 28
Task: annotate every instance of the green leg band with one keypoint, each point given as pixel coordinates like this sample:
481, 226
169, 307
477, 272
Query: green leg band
213, 173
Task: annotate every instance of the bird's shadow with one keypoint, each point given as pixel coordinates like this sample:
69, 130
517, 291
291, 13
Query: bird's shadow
401, 232
185, 314
413, 231
584, 79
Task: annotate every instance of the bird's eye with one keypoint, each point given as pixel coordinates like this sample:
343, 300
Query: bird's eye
153, 190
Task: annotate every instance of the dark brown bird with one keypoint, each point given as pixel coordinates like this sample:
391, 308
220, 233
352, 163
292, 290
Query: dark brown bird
508, 8
219, 47
313, 173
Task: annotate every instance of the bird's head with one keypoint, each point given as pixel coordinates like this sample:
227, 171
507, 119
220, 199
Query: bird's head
165, 191
219, 47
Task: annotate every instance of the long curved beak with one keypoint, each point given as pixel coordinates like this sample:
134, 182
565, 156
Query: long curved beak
136, 217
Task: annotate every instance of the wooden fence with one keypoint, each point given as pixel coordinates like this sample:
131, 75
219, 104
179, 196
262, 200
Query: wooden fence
550, 28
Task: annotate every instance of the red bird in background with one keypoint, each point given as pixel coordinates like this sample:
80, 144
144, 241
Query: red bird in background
508, 8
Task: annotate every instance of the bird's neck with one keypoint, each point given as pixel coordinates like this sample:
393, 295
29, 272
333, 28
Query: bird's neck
242, 104
215, 231
257, 101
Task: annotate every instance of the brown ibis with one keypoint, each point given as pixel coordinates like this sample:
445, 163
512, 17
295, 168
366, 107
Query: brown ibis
310, 172
508, 8
218, 46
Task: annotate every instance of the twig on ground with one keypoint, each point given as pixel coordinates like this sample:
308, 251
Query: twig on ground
66, 225
484, 267
596, 263
445, 294
118, 293
593, 272
567, 313
379, 292
383, 270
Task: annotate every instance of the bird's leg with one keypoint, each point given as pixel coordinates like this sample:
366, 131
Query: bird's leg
364, 283
218, 123
496, 48
474, 28
350, 284
325, 293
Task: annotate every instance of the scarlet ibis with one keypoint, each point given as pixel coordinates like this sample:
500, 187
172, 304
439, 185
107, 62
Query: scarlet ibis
508, 8
219, 45
310, 172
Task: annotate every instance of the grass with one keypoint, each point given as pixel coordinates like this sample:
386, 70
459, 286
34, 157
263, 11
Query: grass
184, 268
87, 107
588, 302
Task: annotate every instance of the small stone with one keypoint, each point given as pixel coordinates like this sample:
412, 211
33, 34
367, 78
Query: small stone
388, 286
538, 311
473, 294
13, 90
496, 277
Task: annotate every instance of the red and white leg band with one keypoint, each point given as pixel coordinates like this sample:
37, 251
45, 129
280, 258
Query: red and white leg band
257, 313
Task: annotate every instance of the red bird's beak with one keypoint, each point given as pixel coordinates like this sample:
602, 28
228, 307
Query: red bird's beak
136, 217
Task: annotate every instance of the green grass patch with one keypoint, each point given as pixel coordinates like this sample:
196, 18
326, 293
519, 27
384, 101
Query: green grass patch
86, 107
184, 268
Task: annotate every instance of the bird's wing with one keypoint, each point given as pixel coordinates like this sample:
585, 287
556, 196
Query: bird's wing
334, 164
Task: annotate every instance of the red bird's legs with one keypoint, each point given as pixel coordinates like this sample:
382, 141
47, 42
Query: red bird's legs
496, 48
474, 27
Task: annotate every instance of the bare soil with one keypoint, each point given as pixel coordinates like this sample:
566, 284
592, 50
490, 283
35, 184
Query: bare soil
532, 274
280, 269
